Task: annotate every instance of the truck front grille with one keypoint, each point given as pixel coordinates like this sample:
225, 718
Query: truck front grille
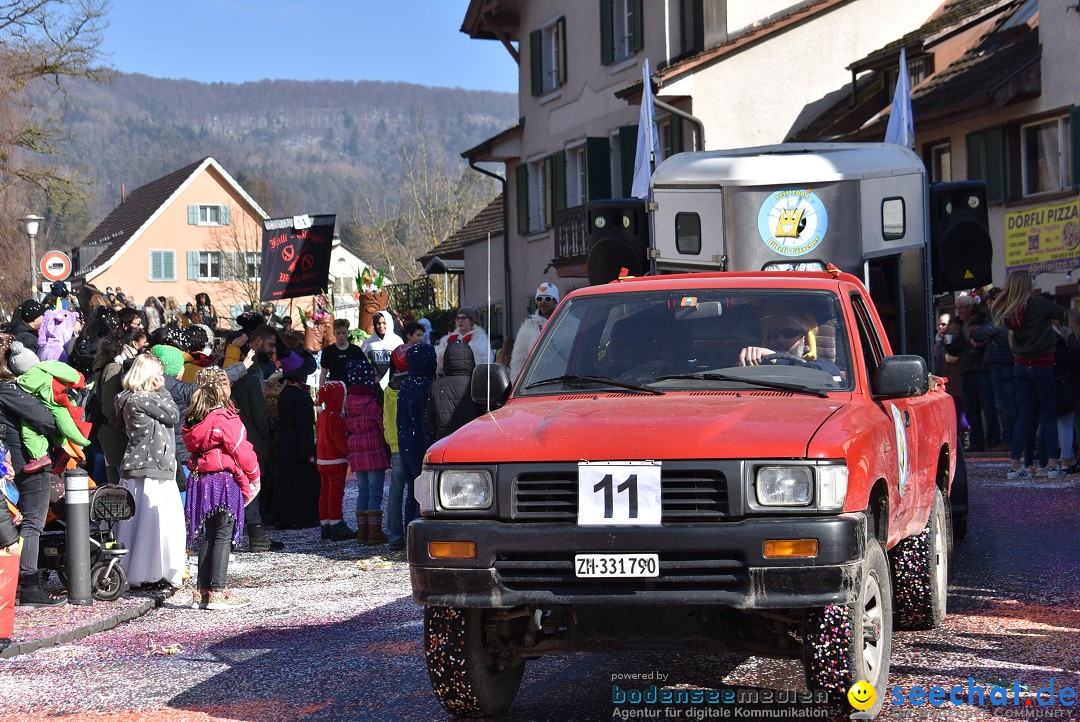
555, 573
686, 495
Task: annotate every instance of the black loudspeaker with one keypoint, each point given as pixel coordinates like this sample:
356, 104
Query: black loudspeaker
618, 238
961, 251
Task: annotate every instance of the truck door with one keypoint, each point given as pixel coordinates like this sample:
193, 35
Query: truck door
899, 457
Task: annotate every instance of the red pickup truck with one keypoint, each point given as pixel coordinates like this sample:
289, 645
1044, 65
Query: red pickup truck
731, 461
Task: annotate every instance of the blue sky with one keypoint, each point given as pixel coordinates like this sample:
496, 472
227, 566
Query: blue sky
414, 41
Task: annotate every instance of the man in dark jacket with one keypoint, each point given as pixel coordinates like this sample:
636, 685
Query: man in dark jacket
450, 405
969, 346
247, 396
17, 406
26, 322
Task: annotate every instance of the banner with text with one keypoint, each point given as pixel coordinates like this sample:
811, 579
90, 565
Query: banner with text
296, 256
1043, 239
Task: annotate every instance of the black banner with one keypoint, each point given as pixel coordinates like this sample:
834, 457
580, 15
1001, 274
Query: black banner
296, 256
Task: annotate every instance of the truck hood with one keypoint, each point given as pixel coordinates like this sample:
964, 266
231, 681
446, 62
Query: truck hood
678, 425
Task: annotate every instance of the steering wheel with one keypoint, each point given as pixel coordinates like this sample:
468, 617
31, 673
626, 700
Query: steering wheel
799, 360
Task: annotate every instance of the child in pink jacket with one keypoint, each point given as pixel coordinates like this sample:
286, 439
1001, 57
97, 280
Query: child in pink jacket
369, 456
225, 477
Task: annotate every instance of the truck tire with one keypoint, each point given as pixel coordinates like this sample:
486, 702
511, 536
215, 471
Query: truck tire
921, 571
468, 680
845, 643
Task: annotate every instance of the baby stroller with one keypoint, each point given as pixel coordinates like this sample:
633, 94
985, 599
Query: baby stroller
109, 504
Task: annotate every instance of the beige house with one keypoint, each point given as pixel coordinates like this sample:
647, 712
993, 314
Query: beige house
726, 74
194, 230
996, 97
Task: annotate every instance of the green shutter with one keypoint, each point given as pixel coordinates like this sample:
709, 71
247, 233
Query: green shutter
156, 271
995, 165
193, 215
627, 151
168, 265
558, 180
607, 41
225, 215
597, 169
536, 61
193, 265
234, 311
560, 47
521, 183
1074, 142
639, 25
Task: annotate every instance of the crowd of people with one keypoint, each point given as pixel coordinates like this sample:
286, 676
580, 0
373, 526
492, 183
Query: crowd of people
217, 441
1012, 360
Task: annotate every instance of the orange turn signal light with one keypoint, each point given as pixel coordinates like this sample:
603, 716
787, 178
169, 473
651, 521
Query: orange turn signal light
781, 548
452, 550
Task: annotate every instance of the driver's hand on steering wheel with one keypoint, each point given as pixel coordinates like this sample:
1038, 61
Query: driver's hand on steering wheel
753, 355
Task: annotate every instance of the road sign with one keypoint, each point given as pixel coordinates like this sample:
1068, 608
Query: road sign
55, 266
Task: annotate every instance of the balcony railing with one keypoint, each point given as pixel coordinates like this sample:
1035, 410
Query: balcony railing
571, 226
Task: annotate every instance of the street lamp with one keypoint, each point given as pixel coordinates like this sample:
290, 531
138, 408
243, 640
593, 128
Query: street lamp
32, 223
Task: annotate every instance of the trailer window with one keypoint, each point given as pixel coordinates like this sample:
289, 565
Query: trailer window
893, 219
688, 233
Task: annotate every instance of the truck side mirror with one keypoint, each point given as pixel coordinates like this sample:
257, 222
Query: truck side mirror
900, 376
490, 385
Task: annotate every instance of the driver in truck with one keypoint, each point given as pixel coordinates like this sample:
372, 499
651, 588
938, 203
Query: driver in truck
789, 338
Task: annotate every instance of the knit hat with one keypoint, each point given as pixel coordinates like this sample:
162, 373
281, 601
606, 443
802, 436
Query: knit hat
470, 312
360, 372
548, 288
171, 358
31, 309
20, 358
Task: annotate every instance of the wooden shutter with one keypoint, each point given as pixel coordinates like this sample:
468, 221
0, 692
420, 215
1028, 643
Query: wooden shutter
1074, 142
597, 169
168, 265
156, 271
193, 265
521, 186
607, 40
193, 215
558, 180
560, 48
536, 61
986, 161
546, 169
627, 152
639, 25
225, 215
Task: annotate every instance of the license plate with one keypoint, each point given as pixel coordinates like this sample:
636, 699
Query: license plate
616, 565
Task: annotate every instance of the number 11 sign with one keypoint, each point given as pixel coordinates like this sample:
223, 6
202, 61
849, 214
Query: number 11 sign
619, 493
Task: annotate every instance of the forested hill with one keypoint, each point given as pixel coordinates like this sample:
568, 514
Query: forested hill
313, 147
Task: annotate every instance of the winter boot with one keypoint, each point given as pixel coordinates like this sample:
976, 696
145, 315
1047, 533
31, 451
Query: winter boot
259, 542
375, 533
32, 595
340, 532
324, 530
361, 528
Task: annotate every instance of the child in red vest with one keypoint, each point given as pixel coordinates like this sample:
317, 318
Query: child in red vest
332, 452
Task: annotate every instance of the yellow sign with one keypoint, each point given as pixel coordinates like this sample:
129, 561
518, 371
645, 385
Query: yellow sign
1046, 238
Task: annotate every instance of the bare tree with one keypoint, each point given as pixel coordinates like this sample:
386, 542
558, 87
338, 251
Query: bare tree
240, 246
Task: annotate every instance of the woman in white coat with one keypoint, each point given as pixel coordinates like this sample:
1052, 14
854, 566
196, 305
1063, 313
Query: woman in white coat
465, 330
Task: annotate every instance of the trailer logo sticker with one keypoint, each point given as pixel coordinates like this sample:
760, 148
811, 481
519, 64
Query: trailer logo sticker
901, 448
793, 221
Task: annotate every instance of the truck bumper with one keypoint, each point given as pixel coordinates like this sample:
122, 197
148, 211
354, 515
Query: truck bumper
720, 564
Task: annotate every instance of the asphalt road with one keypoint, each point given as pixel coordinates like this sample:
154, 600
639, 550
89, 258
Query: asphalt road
332, 636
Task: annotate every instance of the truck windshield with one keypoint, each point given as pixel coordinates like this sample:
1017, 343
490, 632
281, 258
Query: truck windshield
672, 339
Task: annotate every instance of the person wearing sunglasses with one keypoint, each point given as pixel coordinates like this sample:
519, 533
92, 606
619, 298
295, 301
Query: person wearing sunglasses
547, 298
788, 334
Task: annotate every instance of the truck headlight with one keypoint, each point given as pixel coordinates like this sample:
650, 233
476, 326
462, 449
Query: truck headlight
785, 485
424, 491
465, 489
831, 487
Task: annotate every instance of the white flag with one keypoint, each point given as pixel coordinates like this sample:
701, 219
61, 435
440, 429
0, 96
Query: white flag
648, 139
901, 129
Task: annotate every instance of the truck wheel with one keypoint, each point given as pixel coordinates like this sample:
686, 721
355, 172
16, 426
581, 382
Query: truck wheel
845, 643
921, 571
469, 680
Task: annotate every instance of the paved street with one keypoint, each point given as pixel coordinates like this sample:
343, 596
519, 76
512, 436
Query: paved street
333, 637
